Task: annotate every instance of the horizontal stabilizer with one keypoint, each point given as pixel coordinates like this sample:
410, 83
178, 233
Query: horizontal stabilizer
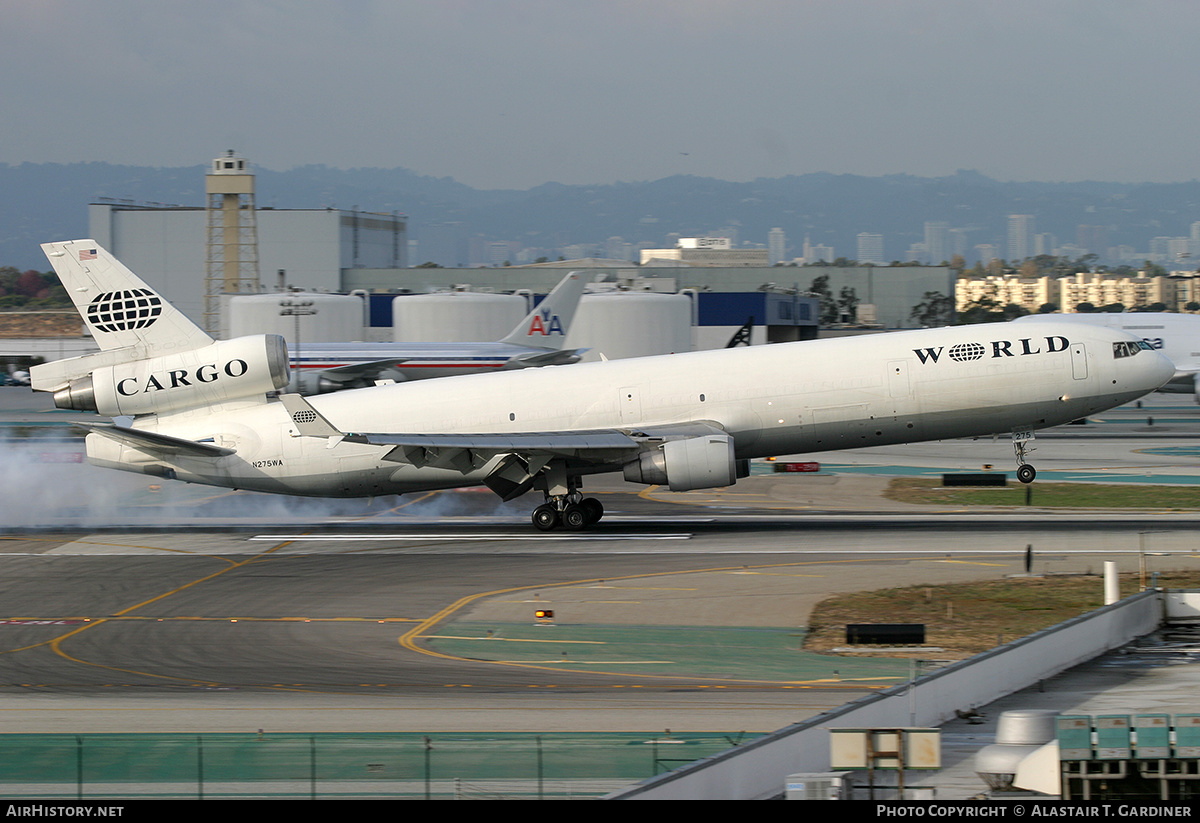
156, 443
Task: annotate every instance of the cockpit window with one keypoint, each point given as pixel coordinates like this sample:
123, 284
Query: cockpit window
1128, 348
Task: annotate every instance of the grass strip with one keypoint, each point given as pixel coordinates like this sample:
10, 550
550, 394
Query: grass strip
969, 618
1046, 495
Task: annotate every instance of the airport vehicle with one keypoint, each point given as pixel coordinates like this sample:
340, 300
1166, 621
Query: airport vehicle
536, 341
204, 411
1175, 335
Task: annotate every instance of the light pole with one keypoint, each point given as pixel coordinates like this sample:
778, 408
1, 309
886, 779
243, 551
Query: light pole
1142, 555
296, 309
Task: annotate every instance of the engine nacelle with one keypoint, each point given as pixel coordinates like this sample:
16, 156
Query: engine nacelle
705, 462
225, 370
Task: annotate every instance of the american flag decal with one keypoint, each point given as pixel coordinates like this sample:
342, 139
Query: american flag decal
87, 254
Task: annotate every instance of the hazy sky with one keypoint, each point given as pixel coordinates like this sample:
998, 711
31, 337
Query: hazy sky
514, 93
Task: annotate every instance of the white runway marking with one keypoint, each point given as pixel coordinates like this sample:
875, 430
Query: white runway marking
460, 538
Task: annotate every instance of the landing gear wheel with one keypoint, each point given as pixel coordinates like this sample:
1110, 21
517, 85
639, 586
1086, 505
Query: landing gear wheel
575, 517
593, 508
545, 517
1026, 473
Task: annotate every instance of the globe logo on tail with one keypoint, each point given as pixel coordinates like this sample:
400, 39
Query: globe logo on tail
124, 310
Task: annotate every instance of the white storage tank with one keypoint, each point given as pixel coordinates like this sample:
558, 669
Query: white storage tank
323, 318
455, 317
632, 324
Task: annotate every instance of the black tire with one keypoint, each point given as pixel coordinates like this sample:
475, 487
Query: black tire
545, 517
594, 509
1026, 473
575, 517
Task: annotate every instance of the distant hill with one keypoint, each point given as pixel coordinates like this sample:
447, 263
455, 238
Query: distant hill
48, 201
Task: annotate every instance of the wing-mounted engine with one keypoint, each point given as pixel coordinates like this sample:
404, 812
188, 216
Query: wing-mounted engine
705, 462
225, 370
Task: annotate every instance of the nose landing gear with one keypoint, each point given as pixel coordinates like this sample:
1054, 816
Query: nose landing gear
1021, 440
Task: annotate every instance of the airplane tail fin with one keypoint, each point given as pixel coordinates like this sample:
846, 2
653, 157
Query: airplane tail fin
120, 310
547, 325
152, 358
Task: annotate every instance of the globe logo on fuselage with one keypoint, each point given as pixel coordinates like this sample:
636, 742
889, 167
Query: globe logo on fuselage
966, 352
962, 352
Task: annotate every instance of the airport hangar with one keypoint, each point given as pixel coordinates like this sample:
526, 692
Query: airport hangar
343, 251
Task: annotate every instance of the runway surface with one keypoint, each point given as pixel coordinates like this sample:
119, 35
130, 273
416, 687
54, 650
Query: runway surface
134, 606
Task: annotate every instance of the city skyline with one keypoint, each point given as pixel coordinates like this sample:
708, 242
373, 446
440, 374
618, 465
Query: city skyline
943, 243
926, 220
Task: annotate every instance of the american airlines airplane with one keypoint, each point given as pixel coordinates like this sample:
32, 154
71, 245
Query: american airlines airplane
204, 411
536, 341
1175, 335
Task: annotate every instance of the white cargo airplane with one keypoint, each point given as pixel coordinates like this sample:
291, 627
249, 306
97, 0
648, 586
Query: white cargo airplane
536, 341
203, 411
1175, 335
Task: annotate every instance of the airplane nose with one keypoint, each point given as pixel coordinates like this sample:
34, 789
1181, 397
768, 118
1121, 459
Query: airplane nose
1157, 371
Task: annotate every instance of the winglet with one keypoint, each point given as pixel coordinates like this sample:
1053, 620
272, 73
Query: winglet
117, 306
547, 325
308, 421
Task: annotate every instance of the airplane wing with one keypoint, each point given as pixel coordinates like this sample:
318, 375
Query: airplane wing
311, 423
466, 452
561, 357
469, 451
154, 442
370, 371
355, 372
358, 374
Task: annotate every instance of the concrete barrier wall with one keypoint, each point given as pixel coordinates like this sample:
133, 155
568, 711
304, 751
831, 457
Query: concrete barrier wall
1183, 606
759, 769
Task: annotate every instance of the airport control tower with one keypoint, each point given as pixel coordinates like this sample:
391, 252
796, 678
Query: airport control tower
232, 244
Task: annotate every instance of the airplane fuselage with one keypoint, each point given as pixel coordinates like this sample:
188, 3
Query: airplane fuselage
784, 398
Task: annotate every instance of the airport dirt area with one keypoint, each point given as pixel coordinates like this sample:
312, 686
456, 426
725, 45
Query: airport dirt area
784, 492
964, 619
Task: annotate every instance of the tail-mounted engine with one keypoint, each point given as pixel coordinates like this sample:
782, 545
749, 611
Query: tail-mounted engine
705, 462
225, 370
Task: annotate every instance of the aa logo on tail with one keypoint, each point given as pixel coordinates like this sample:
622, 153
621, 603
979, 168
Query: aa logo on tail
545, 324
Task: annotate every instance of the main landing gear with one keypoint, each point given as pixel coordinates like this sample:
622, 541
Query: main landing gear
1021, 440
565, 505
571, 514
